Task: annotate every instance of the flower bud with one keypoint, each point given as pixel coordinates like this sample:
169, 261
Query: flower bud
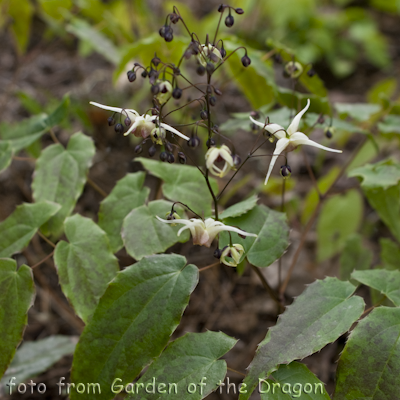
221, 7
203, 114
217, 92
218, 252
171, 158
163, 156
127, 122
210, 142
200, 70
229, 20
169, 147
286, 171
138, 149
311, 72
162, 31
111, 121
182, 158
174, 18
246, 61
239, 11
236, 160
152, 150
193, 142
155, 60
329, 132
223, 52
293, 69
234, 252
168, 36
213, 101
144, 74
210, 68
277, 58
255, 114
177, 93
155, 89
131, 76
119, 128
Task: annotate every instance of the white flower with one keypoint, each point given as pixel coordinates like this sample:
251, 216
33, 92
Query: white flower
219, 154
235, 253
142, 125
290, 138
204, 232
208, 53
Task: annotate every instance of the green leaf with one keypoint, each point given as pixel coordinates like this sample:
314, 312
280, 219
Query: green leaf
358, 111
321, 314
183, 183
272, 230
384, 89
85, 265
5, 155
182, 367
127, 194
240, 208
60, 175
383, 174
390, 254
18, 229
293, 381
133, 322
17, 292
340, 216
97, 40
33, 358
143, 234
387, 282
354, 257
369, 367
390, 124
20, 15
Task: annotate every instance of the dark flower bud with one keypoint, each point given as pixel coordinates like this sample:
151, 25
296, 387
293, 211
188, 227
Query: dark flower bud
162, 31
239, 11
200, 70
154, 111
214, 58
111, 121
144, 74
311, 72
188, 53
255, 114
223, 52
193, 142
286, 171
163, 156
236, 160
203, 114
328, 133
131, 76
229, 20
119, 128
168, 36
177, 93
321, 119
174, 18
127, 121
210, 68
246, 61
182, 158
171, 158
138, 149
152, 150
215, 128
221, 7
194, 47
213, 100
218, 92
169, 147
277, 58
155, 89
155, 60
253, 127
217, 253
210, 142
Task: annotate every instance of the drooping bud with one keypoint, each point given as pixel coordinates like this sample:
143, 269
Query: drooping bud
155, 60
203, 114
229, 20
218, 252
182, 158
127, 122
223, 51
171, 158
144, 74
200, 70
138, 149
152, 150
321, 119
246, 61
111, 121
193, 142
277, 58
255, 115
239, 11
119, 128
163, 156
131, 75
236, 160
210, 142
213, 101
329, 132
311, 72
168, 36
174, 18
155, 89
217, 92
221, 7
286, 171
177, 93
210, 68
169, 147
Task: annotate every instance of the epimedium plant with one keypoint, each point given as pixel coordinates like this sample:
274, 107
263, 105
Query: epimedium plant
130, 314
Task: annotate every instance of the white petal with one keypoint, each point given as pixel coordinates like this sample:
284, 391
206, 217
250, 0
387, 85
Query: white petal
133, 126
294, 126
274, 129
299, 138
173, 130
218, 229
131, 113
281, 145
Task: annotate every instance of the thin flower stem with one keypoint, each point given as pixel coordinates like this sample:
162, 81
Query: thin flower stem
96, 187
43, 260
236, 372
48, 241
311, 173
53, 136
266, 285
282, 210
209, 266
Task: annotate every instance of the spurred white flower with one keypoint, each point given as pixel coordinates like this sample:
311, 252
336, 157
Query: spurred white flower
142, 125
216, 155
233, 252
289, 139
204, 232
208, 53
